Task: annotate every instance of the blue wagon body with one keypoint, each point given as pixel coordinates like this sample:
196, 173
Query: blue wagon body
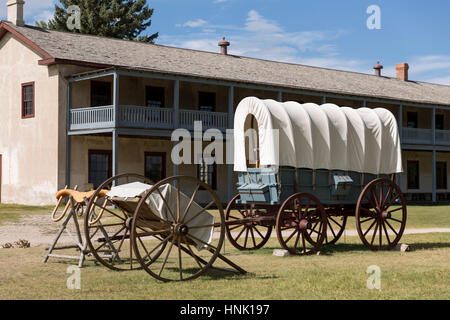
331, 187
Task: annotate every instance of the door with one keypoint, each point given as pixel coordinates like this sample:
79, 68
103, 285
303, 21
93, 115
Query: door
99, 166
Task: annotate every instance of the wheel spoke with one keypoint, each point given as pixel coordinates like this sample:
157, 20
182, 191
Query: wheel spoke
396, 220
166, 204
253, 236
395, 210
200, 212
246, 237
166, 257
303, 242
179, 257
296, 241
374, 233
387, 235
367, 231
290, 237
260, 234
159, 245
340, 226
190, 202
332, 231
393, 230
240, 233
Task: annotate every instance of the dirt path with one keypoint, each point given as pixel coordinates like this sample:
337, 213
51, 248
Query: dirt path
41, 230
37, 229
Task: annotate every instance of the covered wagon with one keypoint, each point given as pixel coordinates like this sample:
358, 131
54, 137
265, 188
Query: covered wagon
304, 168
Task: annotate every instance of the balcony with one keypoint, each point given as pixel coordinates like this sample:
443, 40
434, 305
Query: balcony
425, 136
443, 137
143, 118
417, 136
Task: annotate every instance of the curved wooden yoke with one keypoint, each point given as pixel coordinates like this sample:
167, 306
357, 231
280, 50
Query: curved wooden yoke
75, 198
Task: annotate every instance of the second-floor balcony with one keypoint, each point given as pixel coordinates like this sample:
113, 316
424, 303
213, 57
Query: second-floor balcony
425, 136
144, 118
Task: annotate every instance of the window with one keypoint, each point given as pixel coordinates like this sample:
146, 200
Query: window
207, 101
99, 166
412, 121
28, 100
100, 93
154, 97
155, 166
441, 175
208, 173
413, 174
439, 122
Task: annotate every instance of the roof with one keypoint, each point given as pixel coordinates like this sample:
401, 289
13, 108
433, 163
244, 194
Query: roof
67, 47
316, 137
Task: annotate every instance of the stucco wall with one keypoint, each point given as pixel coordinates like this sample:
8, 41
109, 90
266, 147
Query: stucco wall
29, 146
131, 159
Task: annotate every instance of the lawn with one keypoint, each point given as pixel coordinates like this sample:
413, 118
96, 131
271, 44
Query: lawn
339, 272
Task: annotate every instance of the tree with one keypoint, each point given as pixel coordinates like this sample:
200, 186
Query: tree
123, 19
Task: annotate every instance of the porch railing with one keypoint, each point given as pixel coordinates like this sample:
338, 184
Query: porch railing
417, 136
217, 120
92, 118
443, 137
143, 117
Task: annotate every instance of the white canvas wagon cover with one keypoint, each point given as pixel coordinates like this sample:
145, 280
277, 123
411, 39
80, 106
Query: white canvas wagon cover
319, 137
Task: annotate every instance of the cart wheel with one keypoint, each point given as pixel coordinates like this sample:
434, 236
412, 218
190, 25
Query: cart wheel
171, 216
335, 225
296, 218
381, 214
107, 227
238, 234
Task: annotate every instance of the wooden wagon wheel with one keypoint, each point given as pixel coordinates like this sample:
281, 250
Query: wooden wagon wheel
249, 235
296, 218
192, 233
107, 227
379, 224
335, 226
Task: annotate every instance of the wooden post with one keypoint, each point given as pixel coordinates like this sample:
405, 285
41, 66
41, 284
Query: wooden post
176, 116
115, 151
116, 99
230, 126
433, 178
68, 145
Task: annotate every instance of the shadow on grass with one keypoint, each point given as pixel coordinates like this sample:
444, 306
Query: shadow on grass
428, 246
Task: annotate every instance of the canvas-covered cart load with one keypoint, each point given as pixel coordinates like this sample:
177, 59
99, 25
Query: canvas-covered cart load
329, 151
304, 168
133, 223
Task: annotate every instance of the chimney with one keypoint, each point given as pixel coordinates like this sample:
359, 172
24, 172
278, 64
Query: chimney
378, 68
224, 44
402, 71
15, 12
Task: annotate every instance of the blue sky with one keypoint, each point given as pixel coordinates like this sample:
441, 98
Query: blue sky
324, 33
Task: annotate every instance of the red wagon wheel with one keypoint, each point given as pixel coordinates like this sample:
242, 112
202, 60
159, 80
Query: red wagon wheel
249, 235
296, 222
335, 225
183, 218
381, 214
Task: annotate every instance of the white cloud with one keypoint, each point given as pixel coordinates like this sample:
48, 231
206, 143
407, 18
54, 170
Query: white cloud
219, 1
262, 38
193, 23
440, 80
256, 23
33, 10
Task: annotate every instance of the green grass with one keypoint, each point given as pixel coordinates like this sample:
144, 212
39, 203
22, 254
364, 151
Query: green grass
338, 273
14, 212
